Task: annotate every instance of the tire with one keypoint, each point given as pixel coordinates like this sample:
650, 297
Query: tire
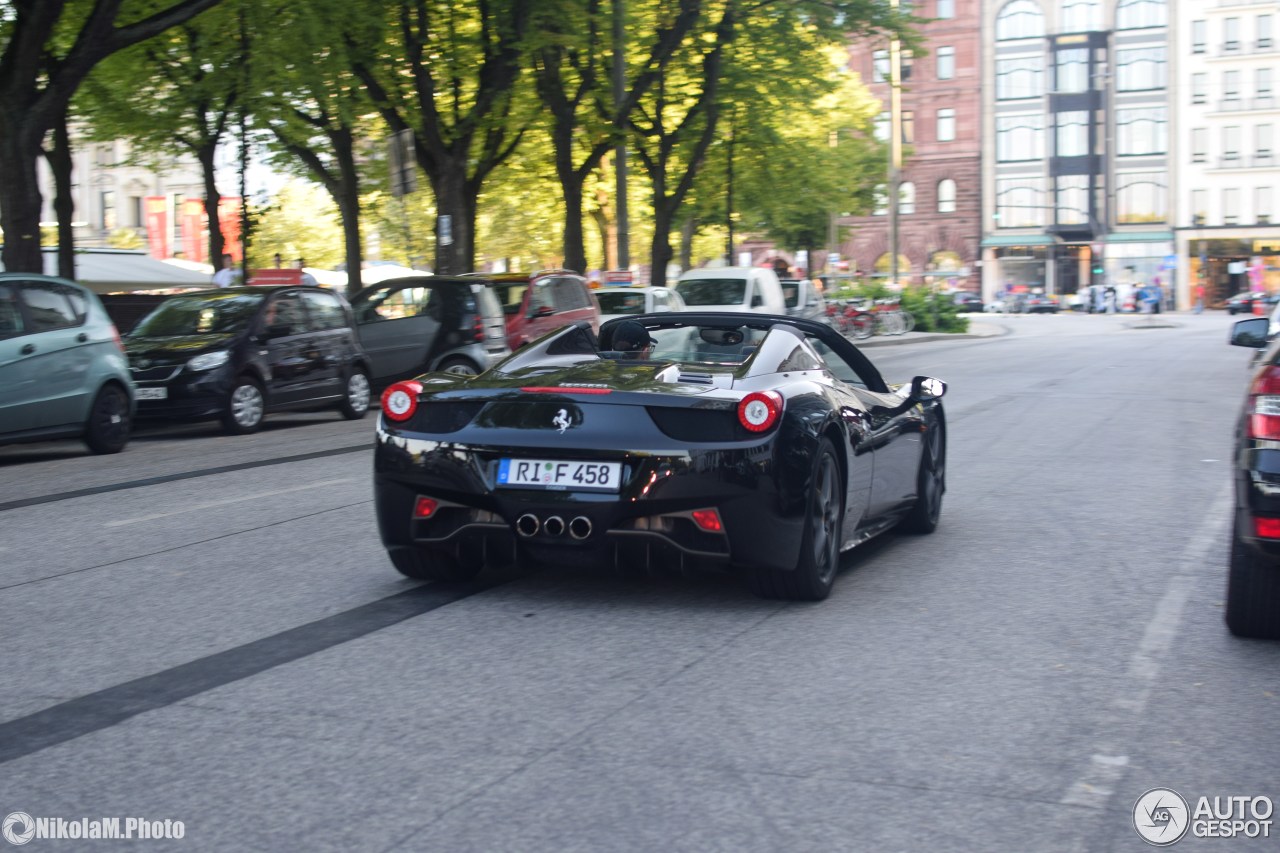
246, 406
431, 564
1253, 594
863, 327
107, 428
931, 484
819, 559
356, 404
459, 367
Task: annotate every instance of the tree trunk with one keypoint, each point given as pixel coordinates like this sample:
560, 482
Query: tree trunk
211, 200
660, 247
455, 252
687, 230
20, 200
349, 207
575, 250
606, 236
64, 205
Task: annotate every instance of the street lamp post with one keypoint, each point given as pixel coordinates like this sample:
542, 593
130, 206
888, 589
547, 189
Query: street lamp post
895, 146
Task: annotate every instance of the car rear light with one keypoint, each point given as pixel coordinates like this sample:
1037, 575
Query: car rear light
1264, 410
424, 507
115, 333
708, 520
400, 400
479, 329
759, 411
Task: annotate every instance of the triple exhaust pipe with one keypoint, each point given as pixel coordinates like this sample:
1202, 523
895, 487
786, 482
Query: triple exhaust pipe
529, 524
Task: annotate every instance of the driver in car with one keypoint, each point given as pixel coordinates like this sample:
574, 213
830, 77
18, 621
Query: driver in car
632, 338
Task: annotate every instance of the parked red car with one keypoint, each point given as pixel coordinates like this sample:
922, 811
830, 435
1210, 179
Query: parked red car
542, 302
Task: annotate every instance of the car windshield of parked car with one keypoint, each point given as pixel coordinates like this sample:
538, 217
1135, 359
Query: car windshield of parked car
621, 303
712, 291
510, 294
218, 313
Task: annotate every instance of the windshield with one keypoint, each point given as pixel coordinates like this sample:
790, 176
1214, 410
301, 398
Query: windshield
712, 291
620, 303
217, 313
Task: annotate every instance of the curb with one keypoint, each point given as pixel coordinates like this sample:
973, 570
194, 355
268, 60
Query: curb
928, 337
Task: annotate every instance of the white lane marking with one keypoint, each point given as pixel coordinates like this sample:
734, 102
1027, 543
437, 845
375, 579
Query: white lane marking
1107, 764
225, 501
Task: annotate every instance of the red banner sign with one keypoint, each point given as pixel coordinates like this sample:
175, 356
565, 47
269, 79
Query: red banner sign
274, 276
157, 215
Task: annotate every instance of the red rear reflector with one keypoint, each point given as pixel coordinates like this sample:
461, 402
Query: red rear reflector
542, 389
400, 400
1266, 528
424, 507
708, 520
479, 329
1267, 382
760, 410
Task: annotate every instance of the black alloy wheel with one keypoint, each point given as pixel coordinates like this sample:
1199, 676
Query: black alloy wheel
819, 560
107, 429
1253, 594
931, 483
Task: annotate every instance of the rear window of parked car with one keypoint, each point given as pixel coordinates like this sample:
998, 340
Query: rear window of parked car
712, 291
621, 303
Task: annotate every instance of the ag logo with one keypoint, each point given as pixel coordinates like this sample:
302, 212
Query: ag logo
1161, 816
18, 828
561, 420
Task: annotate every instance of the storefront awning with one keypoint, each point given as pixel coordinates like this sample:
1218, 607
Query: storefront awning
1018, 240
1140, 237
120, 270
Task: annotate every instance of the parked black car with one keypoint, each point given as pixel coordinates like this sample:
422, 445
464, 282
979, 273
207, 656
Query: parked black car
239, 352
967, 300
1253, 580
1242, 303
410, 326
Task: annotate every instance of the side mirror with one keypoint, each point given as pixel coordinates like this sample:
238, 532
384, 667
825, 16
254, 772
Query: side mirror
927, 388
543, 311
1250, 333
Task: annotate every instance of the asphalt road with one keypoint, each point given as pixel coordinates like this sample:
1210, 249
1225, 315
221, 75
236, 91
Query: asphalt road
205, 629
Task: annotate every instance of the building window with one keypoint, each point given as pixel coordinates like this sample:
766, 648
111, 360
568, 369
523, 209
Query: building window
1262, 31
1200, 145
1136, 14
946, 9
1072, 134
1081, 16
946, 125
1199, 207
1231, 207
1199, 36
1141, 130
946, 196
104, 154
1262, 205
1140, 69
1071, 71
1021, 203
1199, 88
906, 197
946, 63
881, 203
1019, 19
880, 129
1140, 197
1230, 145
1231, 85
908, 127
136, 216
1020, 137
1019, 77
879, 66
1231, 35
1073, 200
1262, 145
109, 221
1262, 88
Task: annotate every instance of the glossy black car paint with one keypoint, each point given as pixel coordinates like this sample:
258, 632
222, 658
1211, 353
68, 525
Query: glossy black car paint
306, 369
674, 428
1253, 588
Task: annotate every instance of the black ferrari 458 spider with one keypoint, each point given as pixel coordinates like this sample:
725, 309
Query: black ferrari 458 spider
760, 443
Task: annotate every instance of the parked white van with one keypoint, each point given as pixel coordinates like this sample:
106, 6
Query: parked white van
732, 289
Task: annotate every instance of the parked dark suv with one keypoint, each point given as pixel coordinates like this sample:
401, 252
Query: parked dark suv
239, 352
409, 326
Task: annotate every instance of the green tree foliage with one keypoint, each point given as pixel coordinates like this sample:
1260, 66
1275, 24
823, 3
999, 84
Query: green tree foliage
301, 222
47, 48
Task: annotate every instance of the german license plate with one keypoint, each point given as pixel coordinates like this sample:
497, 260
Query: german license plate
153, 393
560, 475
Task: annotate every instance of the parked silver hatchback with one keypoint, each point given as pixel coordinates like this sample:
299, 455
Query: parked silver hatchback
63, 372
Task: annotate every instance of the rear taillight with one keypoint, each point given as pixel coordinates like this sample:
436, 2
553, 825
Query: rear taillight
115, 333
400, 400
759, 411
479, 329
1264, 405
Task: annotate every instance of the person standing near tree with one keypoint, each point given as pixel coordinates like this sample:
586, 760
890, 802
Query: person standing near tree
307, 278
227, 275
1199, 297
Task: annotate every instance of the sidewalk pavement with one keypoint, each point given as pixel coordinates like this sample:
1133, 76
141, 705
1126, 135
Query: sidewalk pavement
977, 329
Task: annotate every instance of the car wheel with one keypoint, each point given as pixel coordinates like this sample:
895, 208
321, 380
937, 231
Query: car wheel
815, 570
1253, 594
931, 484
245, 407
459, 367
356, 404
107, 429
431, 564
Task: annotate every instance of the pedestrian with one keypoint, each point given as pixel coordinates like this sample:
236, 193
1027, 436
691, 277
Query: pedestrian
307, 278
781, 268
1109, 298
227, 275
1199, 294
